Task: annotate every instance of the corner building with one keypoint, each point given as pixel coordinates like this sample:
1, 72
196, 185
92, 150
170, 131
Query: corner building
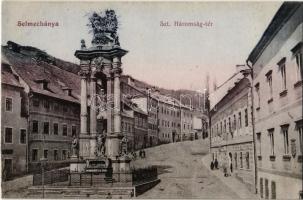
277, 65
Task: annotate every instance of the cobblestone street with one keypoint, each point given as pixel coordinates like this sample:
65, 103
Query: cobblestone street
183, 174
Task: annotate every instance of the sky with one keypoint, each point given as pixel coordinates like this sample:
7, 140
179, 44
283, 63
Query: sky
171, 57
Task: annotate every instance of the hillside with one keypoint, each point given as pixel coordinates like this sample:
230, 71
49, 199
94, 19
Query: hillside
197, 100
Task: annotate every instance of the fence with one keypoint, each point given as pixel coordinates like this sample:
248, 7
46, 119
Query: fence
51, 177
98, 178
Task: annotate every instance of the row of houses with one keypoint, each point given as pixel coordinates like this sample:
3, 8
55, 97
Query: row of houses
41, 113
256, 115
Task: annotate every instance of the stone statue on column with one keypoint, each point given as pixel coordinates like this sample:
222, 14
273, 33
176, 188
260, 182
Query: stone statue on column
75, 147
100, 151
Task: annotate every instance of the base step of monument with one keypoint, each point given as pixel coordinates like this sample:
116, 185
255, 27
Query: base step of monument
82, 192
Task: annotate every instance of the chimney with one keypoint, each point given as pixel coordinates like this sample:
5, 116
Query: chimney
240, 68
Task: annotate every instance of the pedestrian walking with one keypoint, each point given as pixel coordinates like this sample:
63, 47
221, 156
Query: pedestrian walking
212, 165
230, 164
216, 164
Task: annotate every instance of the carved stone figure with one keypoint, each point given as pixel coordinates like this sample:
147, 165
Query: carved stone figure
124, 142
100, 145
75, 146
104, 27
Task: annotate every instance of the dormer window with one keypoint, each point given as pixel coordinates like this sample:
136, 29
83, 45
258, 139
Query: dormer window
43, 83
67, 91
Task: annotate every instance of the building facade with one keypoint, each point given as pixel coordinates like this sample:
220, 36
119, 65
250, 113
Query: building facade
52, 106
14, 127
277, 62
168, 118
186, 118
231, 129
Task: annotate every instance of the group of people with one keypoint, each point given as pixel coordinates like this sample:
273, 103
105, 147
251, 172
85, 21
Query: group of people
227, 165
214, 164
141, 154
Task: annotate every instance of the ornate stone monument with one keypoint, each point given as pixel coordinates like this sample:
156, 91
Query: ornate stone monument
101, 63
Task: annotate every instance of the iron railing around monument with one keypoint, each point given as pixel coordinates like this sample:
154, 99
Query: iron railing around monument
98, 178
50, 177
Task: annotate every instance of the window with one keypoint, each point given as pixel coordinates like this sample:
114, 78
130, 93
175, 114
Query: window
261, 187
241, 160
74, 131
272, 141
236, 160
259, 143
246, 117
282, 69
65, 109
34, 155
299, 63
299, 128
35, 127
46, 127
45, 153
56, 156
284, 129
56, 107
297, 54
22, 136
240, 120
247, 160
225, 126
64, 130
36, 102
229, 125
8, 135
235, 123
56, 129
9, 104
269, 80
257, 89
273, 190
266, 189
46, 104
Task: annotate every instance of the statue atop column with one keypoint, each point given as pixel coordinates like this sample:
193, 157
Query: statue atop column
104, 27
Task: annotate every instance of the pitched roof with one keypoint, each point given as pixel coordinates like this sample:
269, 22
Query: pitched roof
281, 17
31, 71
223, 90
7, 77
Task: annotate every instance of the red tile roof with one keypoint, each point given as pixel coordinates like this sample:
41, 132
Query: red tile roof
31, 71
